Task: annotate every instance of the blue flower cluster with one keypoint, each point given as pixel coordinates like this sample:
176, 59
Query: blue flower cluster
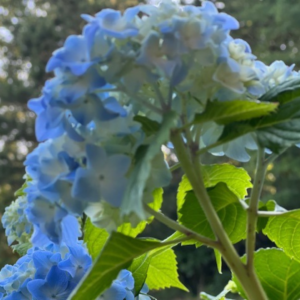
121, 66
53, 272
45, 273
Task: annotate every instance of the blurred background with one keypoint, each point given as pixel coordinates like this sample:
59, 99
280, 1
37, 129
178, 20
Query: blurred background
30, 30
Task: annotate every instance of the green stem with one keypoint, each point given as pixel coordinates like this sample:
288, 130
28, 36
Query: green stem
273, 156
175, 167
192, 169
160, 97
170, 97
178, 227
268, 214
261, 168
137, 98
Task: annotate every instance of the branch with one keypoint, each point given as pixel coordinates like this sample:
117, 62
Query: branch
244, 204
160, 97
140, 100
190, 234
267, 214
174, 167
191, 167
261, 167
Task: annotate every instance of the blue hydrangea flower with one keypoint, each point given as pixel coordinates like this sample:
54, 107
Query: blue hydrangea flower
47, 217
21, 294
74, 56
224, 20
53, 118
49, 162
103, 177
122, 288
152, 56
53, 273
143, 292
13, 278
65, 104
38, 274
94, 108
77, 262
112, 23
54, 286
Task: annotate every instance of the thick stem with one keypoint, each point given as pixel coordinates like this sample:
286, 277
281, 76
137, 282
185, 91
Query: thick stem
261, 168
192, 169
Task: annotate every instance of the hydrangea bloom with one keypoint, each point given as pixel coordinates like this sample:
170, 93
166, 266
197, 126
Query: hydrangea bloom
16, 224
42, 273
52, 273
88, 109
103, 177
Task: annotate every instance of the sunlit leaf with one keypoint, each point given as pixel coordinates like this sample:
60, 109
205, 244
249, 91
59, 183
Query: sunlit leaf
228, 208
117, 254
278, 274
224, 112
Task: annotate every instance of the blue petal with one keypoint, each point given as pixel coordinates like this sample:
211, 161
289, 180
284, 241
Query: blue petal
86, 186
70, 230
74, 55
96, 157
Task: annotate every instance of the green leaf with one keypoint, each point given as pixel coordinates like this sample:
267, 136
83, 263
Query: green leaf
157, 200
285, 92
284, 231
218, 260
279, 129
159, 267
231, 111
237, 180
117, 254
95, 238
132, 201
128, 230
228, 208
139, 269
149, 126
162, 272
281, 135
20, 192
276, 131
278, 274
